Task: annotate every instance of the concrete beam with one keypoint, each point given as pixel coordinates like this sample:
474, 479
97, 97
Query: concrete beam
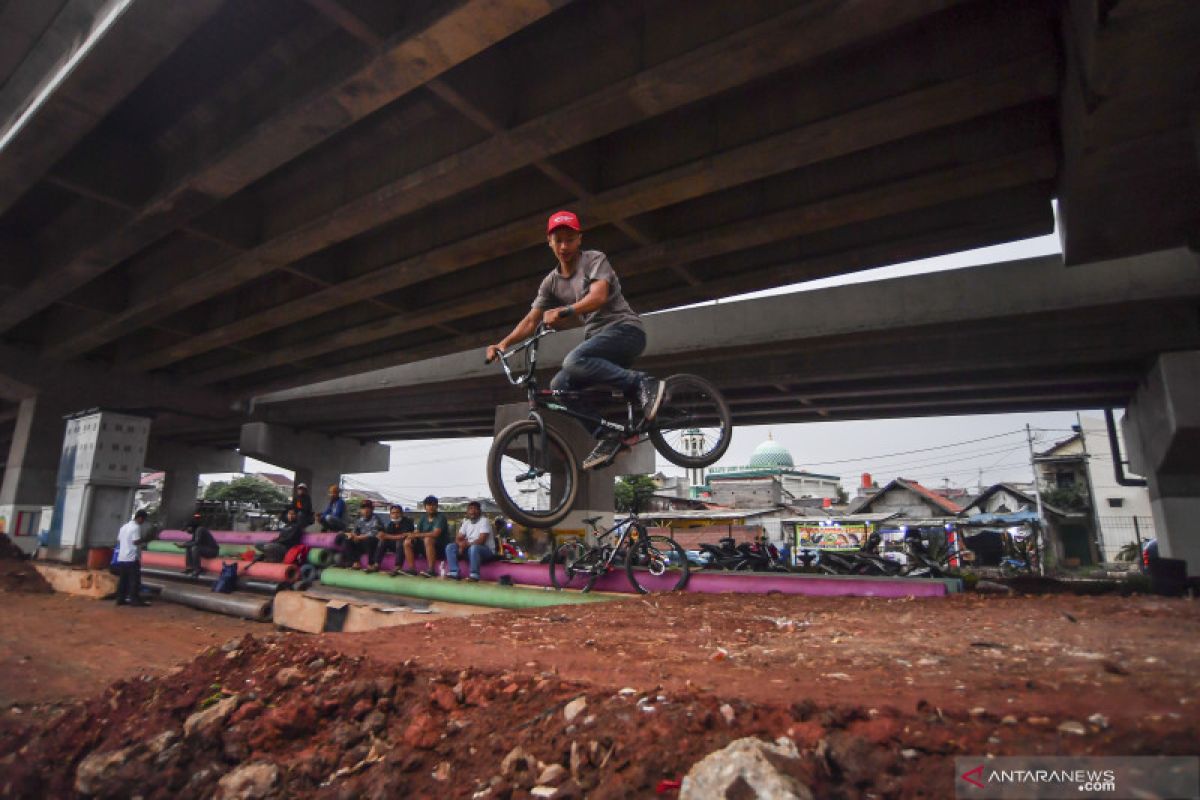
89, 59
298, 449
401, 65
168, 456
797, 36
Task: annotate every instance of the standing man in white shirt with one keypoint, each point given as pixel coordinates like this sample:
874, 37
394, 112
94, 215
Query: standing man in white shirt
474, 536
129, 564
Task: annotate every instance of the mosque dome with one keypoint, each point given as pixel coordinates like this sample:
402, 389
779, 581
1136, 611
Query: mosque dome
771, 455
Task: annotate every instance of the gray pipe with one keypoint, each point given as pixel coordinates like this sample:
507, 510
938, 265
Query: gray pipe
263, 587
237, 604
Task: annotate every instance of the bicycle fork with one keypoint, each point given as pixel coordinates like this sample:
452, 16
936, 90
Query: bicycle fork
537, 454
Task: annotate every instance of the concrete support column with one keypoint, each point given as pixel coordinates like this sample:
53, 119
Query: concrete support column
183, 465
317, 459
31, 472
596, 495
1162, 433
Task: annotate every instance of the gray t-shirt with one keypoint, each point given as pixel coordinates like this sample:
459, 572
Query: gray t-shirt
592, 265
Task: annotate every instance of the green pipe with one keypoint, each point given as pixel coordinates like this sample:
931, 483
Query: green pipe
477, 594
320, 556
169, 547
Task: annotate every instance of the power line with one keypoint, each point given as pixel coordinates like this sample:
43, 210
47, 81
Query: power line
919, 450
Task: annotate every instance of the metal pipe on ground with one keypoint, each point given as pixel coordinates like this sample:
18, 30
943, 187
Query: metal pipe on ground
235, 604
158, 574
478, 594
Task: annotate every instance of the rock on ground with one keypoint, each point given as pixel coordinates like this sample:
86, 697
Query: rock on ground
248, 782
743, 767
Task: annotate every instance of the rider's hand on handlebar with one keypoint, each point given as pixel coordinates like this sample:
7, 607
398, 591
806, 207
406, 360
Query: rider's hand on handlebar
555, 318
493, 350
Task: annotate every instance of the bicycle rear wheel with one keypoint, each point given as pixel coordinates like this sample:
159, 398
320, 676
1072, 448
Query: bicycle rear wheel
693, 427
569, 567
534, 479
656, 564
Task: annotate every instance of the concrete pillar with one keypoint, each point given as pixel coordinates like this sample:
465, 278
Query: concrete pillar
1162, 433
183, 465
317, 459
596, 496
31, 471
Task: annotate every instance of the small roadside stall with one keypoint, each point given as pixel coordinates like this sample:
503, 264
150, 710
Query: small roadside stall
1000, 538
846, 532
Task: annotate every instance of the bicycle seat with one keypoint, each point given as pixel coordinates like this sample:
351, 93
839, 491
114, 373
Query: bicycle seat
591, 521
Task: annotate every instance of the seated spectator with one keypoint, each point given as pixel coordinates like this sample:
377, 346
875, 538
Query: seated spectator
391, 539
475, 538
202, 545
288, 537
434, 532
333, 518
302, 502
362, 538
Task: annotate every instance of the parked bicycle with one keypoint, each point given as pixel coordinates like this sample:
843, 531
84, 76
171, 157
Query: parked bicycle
653, 563
534, 474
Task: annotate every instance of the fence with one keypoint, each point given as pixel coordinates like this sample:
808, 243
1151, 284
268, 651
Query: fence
1118, 531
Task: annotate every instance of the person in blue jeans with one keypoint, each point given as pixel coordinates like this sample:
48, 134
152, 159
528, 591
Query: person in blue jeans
584, 285
475, 536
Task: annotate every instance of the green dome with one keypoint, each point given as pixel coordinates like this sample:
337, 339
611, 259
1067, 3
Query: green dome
771, 455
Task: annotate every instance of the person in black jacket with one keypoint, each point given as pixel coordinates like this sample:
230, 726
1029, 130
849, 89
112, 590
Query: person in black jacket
202, 545
289, 536
302, 502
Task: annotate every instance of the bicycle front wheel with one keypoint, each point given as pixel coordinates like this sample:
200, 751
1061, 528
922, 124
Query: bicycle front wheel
534, 478
656, 564
693, 427
569, 567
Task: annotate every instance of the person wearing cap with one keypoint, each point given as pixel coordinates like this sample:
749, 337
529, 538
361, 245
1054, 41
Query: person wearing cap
333, 518
302, 502
434, 531
362, 538
391, 538
584, 285
128, 561
202, 545
474, 538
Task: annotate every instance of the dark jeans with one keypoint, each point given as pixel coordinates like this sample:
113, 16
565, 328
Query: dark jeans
129, 585
389, 546
272, 552
352, 551
332, 523
603, 359
193, 553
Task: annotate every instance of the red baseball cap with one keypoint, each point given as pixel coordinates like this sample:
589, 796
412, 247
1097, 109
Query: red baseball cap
562, 219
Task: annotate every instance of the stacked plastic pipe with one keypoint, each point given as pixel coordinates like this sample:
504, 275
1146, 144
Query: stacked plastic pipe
274, 573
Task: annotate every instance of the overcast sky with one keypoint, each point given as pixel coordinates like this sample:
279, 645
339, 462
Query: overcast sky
958, 451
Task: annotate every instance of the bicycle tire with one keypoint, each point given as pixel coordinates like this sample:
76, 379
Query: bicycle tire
563, 566
648, 556
509, 467
693, 414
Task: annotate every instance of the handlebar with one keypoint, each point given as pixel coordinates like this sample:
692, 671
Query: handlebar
528, 344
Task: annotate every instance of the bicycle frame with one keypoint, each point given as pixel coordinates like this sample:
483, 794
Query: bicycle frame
622, 538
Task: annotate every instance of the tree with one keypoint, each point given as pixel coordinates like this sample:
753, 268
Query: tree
246, 489
631, 487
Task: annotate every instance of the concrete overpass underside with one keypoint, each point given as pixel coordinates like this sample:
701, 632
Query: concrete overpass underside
205, 202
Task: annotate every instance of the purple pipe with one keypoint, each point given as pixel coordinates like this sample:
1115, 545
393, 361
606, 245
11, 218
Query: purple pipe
326, 540
529, 574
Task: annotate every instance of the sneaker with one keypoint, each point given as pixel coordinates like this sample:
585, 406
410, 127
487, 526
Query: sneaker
394, 573
122, 602
426, 574
473, 579
650, 395
454, 576
372, 568
603, 453
412, 573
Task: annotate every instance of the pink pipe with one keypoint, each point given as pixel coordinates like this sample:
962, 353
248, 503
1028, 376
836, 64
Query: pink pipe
276, 573
326, 540
529, 574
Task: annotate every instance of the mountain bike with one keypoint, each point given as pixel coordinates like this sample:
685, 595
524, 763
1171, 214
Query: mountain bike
653, 563
534, 474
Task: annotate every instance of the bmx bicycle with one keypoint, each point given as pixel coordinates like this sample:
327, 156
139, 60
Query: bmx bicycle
653, 563
534, 474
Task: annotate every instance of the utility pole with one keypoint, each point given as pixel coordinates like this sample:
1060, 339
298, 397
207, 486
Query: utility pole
1037, 494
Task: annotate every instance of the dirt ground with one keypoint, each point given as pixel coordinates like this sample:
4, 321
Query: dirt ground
878, 695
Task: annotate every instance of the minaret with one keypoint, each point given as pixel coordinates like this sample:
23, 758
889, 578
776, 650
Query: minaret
693, 443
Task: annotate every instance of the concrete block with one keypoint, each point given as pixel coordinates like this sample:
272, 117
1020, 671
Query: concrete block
304, 612
92, 583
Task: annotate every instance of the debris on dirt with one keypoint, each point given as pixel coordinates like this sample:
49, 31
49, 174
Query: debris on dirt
16, 573
749, 767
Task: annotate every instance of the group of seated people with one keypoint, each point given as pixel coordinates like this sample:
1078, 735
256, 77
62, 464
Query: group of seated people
368, 536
